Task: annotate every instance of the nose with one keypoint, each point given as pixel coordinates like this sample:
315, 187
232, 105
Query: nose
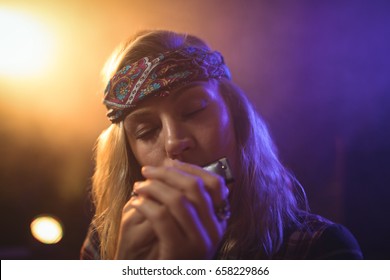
178, 139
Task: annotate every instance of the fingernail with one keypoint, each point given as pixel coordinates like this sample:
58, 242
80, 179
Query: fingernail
136, 185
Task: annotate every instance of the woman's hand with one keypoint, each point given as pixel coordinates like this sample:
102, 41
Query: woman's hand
173, 215
136, 236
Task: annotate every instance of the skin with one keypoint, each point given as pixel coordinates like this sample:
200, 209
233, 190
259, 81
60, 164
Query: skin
173, 215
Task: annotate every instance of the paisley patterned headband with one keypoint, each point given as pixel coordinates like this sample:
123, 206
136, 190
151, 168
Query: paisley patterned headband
157, 76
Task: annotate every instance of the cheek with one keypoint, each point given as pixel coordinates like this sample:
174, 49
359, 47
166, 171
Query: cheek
146, 154
220, 133
228, 142
227, 132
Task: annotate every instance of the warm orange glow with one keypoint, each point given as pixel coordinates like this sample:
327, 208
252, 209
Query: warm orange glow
46, 229
26, 46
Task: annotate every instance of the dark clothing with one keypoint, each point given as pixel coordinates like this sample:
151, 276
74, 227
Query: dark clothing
315, 239
319, 239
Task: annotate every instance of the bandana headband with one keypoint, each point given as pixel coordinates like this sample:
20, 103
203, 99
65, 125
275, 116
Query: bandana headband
160, 75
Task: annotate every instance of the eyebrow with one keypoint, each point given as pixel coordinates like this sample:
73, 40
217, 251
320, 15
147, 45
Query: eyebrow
139, 114
143, 113
179, 92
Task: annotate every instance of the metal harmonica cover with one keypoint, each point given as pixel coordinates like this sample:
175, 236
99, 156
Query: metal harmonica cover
222, 168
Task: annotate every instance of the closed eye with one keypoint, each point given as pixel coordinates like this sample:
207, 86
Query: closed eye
146, 134
194, 110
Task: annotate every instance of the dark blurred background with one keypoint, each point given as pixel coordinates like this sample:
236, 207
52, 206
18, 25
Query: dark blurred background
318, 72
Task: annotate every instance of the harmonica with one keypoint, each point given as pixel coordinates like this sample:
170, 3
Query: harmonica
222, 168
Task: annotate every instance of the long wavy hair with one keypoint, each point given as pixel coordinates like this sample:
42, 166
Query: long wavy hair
264, 200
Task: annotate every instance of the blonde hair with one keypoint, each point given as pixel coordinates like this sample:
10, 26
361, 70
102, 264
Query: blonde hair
266, 198
263, 199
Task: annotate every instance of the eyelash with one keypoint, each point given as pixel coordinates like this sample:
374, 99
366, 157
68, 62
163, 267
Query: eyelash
198, 110
190, 114
145, 134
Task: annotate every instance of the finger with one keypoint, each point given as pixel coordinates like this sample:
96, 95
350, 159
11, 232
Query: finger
141, 235
216, 186
135, 239
191, 185
213, 183
129, 211
172, 222
177, 202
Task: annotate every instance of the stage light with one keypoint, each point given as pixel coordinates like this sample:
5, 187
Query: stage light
26, 45
46, 229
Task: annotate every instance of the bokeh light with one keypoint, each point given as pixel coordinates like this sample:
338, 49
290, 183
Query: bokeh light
47, 229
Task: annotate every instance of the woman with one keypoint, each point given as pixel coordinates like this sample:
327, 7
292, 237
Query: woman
174, 109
